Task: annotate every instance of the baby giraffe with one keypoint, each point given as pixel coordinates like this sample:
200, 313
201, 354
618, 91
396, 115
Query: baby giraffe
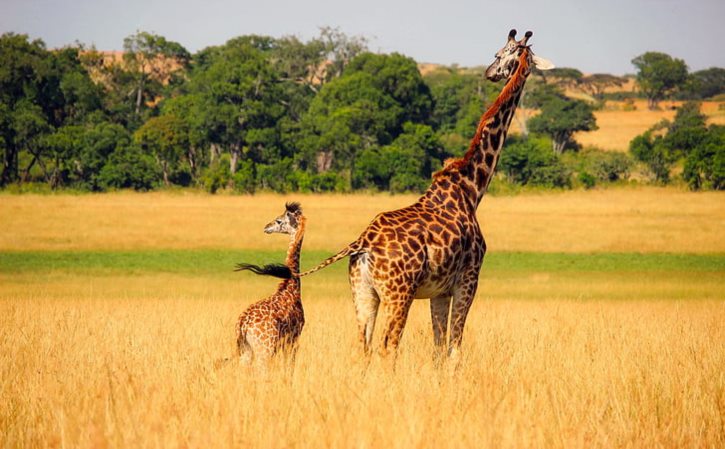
275, 322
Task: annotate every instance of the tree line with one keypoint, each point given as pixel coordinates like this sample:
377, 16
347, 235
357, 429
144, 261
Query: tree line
265, 113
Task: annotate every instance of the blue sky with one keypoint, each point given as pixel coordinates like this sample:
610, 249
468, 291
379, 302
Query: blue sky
593, 36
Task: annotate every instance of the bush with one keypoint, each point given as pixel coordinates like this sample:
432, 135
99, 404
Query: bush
531, 162
216, 175
705, 165
129, 168
610, 166
278, 176
654, 153
244, 179
321, 182
587, 180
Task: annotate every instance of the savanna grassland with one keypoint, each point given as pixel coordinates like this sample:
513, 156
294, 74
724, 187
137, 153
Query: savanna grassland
599, 322
619, 122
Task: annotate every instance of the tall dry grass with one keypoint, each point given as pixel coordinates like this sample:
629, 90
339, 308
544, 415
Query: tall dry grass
97, 365
621, 220
560, 358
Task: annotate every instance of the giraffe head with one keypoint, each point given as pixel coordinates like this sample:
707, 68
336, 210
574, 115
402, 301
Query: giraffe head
288, 222
507, 59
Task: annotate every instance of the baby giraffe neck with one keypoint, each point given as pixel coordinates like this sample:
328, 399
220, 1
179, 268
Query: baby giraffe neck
295, 247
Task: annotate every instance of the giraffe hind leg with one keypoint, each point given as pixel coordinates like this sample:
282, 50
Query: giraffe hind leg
365, 298
244, 350
397, 307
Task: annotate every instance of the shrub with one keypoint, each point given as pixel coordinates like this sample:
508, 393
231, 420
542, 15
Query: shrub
610, 166
587, 180
705, 165
129, 168
531, 161
216, 175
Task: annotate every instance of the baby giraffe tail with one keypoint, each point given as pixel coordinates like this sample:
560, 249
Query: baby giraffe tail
277, 270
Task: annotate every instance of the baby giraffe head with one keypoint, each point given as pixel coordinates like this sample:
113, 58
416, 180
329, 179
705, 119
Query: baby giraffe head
507, 59
288, 222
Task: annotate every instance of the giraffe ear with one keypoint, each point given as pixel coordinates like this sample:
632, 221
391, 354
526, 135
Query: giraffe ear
543, 64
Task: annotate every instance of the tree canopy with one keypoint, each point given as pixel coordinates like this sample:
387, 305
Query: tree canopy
659, 75
260, 112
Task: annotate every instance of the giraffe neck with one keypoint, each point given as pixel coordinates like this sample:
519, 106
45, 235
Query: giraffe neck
295, 246
474, 171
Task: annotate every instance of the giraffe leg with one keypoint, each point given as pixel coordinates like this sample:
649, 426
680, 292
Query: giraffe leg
463, 295
244, 350
365, 298
396, 310
439, 311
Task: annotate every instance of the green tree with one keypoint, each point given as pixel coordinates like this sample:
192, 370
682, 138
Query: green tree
704, 84
659, 75
23, 66
560, 118
129, 168
705, 164
651, 149
597, 84
404, 165
459, 99
398, 77
349, 115
243, 100
688, 137
166, 137
151, 59
562, 77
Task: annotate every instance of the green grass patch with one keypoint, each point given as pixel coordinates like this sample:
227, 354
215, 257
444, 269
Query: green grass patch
222, 261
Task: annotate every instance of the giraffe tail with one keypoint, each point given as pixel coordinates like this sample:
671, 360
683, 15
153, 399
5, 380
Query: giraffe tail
277, 270
353, 248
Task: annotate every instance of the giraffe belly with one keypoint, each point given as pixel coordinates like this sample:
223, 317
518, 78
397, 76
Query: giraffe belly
438, 280
431, 288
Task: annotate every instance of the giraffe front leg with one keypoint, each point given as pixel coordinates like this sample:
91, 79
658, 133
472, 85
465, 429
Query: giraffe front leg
439, 312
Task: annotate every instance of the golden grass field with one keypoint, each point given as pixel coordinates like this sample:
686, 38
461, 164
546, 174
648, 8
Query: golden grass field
560, 359
615, 220
617, 127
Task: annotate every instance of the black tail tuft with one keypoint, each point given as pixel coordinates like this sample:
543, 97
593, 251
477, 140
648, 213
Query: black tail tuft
273, 269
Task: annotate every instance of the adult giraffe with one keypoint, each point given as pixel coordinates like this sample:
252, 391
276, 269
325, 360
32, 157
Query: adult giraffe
434, 248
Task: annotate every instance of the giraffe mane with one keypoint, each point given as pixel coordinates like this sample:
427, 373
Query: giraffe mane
516, 80
293, 207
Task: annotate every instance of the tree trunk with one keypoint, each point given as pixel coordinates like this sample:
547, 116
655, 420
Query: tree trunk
214, 152
192, 160
139, 95
165, 170
42, 166
235, 152
10, 166
26, 173
652, 104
